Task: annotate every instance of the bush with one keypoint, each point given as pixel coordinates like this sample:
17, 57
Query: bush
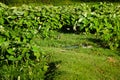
19, 55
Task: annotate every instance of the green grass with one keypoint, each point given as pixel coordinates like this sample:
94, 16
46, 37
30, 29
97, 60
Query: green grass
69, 60
74, 62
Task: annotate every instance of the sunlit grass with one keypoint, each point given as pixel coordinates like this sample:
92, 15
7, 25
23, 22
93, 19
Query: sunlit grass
80, 63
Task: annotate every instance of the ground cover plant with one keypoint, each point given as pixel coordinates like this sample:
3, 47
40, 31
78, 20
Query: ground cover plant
21, 26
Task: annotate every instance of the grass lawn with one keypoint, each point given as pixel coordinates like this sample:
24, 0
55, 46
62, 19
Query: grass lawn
79, 57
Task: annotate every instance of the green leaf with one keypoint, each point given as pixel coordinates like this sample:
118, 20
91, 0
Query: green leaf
35, 48
12, 58
1, 21
45, 68
26, 13
19, 57
37, 55
11, 51
1, 40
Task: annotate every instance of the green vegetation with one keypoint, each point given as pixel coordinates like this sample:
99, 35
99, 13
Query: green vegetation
31, 35
72, 61
36, 2
19, 54
54, 2
100, 19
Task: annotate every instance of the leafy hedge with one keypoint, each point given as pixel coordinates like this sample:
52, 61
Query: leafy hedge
20, 57
101, 19
19, 25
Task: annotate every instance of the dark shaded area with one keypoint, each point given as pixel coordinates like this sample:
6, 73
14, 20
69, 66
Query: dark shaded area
118, 53
52, 70
67, 29
102, 44
99, 42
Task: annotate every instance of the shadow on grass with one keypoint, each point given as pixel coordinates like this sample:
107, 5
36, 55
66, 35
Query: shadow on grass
102, 44
52, 70
99, 42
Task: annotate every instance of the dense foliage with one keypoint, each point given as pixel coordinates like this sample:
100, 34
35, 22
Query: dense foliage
14, 2
18, 50
19, 25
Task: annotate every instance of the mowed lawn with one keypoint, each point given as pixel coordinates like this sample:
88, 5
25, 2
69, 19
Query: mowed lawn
80, 57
